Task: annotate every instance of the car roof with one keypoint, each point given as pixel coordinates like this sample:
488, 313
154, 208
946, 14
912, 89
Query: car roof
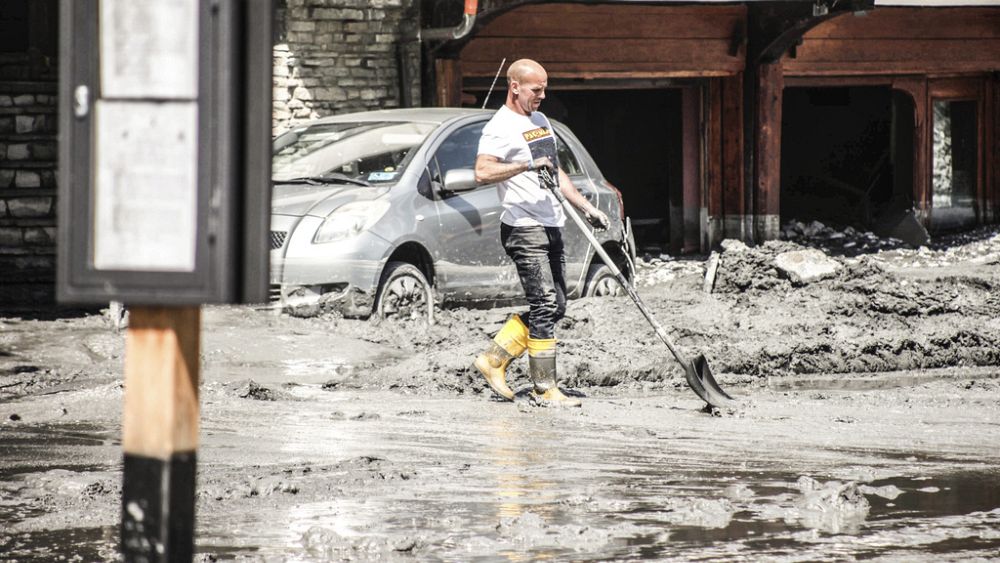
425, 115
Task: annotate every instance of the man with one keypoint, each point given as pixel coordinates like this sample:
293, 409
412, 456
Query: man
517, 148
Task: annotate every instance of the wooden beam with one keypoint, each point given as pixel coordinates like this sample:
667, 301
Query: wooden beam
867, 68
768, 152
992, 149
449, 82
605, 70
570, 9
956, 88
696, 53
613, 40
713, 228
916, 88
983, 123
808, 81
691, 149
966, 22
734, 196
625, 22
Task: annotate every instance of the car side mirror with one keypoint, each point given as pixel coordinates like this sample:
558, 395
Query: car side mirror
460, 180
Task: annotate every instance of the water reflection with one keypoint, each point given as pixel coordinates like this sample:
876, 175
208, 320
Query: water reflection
515, 465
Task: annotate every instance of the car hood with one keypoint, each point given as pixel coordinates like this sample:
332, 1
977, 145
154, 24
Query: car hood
299, 200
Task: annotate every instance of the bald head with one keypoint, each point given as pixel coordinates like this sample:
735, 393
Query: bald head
526, 83
525, 69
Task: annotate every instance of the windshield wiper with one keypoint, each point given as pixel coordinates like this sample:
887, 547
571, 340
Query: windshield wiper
325, 179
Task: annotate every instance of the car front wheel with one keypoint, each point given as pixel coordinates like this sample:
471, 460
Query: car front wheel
601, 282
404, 293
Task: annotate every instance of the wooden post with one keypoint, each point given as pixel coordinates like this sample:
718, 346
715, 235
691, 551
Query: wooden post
923, 139
160, 433
733, 196
768, 151
992, 151
691, 153
712, 225
449, 82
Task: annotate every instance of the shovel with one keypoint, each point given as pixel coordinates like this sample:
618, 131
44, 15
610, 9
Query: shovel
697, 373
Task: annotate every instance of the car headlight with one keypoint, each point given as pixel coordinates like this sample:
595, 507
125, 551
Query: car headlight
349, 220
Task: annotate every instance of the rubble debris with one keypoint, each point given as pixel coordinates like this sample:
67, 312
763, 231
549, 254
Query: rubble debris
833, 507
250, 389
805, 266
847, 242
662, 269
711, 269
733, 245
744, 268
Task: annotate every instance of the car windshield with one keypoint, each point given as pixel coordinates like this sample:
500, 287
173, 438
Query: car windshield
357, 153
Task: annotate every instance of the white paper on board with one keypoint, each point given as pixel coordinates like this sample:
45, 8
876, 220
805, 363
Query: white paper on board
149, 49
145, 186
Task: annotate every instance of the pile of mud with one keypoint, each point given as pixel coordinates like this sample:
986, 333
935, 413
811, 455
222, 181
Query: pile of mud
866, 318
871, 315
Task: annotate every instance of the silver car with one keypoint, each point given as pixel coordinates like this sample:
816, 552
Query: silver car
379, 213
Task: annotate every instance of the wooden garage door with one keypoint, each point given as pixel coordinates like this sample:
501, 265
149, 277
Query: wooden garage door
607, 41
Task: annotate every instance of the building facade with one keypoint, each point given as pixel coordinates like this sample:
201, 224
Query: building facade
715, 120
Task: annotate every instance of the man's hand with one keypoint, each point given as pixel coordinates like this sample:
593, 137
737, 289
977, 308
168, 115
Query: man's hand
597, 219
540, 163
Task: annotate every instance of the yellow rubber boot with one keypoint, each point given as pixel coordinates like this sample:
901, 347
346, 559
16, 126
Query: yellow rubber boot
508, 344
542, 368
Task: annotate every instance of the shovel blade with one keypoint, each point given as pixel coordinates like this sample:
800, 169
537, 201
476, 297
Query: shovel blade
707, 379
700, 379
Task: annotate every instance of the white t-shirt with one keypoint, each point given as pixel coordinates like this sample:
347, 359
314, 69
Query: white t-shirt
512, 137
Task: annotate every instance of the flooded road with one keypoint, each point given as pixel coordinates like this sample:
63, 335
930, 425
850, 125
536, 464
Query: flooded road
373, 475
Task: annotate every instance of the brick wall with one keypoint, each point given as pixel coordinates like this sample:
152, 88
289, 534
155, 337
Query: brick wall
338, 56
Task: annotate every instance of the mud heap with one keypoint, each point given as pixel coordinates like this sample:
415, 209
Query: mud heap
874, 312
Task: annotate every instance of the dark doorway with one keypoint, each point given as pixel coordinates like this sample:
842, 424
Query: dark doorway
635, 138
846, 155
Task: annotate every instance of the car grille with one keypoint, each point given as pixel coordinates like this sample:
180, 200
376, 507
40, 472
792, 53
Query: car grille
278, 239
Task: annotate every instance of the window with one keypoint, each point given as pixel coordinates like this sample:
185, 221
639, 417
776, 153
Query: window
459, 149
567, 160
372, 152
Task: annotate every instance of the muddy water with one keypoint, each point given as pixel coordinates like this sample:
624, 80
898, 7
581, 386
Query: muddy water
329, 439
376, 475
460, 479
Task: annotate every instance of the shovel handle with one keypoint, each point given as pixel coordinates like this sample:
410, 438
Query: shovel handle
585, 229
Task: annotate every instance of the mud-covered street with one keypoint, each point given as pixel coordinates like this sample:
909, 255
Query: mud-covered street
867, 423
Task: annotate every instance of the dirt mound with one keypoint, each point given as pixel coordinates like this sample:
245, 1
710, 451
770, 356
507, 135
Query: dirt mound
872, 315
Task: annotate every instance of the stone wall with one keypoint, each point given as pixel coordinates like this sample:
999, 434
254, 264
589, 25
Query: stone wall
330, 57
28, 157
339, 56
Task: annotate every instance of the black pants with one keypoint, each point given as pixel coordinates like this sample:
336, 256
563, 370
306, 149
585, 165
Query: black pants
541, 264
